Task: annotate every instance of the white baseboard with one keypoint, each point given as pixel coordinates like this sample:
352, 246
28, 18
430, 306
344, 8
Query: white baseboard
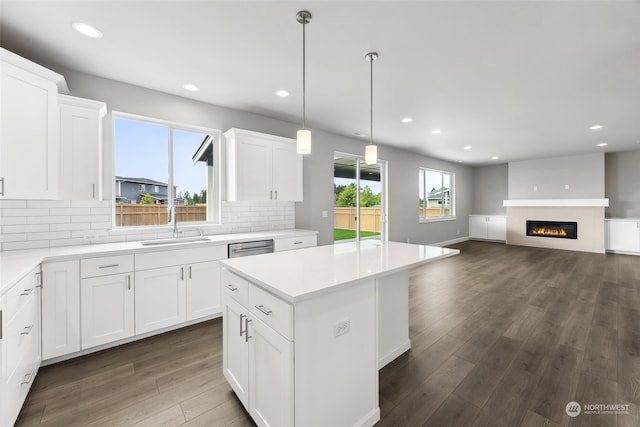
450, 242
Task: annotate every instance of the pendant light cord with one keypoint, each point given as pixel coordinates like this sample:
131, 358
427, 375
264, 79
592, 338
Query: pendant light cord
304, 73
371, 106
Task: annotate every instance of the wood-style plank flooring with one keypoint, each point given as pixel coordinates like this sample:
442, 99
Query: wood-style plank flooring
501, 336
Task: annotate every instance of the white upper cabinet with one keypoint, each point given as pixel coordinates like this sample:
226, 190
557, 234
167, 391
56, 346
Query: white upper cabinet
29, 143
262, 167
81, 148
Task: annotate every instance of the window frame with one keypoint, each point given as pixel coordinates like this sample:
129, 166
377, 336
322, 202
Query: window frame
423, 218
213, 178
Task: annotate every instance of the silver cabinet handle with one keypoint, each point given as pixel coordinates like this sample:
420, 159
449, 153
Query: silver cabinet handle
26, 292
231, 287
39, 279
276, 194
189, 272
270, 194
2, 186
0, 324
246, 329
27, 378
262, 308
242, 316
93, 191
297, 243
181, 273
26, 330
128, 282
108, 266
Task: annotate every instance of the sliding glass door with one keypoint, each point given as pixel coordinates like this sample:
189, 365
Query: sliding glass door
359, 199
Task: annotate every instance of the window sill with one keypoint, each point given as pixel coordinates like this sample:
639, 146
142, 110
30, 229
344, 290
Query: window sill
436, 219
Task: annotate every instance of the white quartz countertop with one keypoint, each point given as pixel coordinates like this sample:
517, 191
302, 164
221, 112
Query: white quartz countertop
16, 264
304, 273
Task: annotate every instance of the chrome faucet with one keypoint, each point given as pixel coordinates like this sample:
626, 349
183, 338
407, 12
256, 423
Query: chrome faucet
174, 218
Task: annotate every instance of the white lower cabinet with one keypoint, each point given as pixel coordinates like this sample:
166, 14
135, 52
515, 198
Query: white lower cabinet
60, 308
20, 350
488, 227
203, 289
160, 298
257, 359
622, 235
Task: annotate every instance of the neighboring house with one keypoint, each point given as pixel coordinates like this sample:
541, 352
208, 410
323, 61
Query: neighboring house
435, 197
131, 190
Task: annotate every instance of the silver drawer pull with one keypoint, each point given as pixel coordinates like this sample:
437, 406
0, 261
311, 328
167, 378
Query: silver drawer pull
26, 292
26, 330
297, 243
242, 316
246, 329
27, 378
263, 309
231, 287
109, 266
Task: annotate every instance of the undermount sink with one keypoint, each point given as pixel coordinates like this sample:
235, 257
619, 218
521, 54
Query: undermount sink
174, 240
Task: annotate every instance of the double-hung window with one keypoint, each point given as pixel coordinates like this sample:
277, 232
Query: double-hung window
159, 164
436, 195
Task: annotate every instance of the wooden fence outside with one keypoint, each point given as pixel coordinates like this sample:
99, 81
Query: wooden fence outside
345, 218
131, 215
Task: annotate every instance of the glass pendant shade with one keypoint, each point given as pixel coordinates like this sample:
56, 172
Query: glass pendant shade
303, 145
371, 154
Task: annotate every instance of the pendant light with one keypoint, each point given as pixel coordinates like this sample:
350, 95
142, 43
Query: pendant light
303, 139
371, 150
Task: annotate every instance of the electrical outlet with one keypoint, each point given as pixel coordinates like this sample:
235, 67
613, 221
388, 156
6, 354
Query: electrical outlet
325, 214
566, 186
341, 328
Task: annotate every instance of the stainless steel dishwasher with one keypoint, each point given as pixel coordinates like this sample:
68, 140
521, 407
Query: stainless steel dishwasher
250, 248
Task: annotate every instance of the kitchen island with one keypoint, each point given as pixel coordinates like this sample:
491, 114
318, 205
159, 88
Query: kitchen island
306, 331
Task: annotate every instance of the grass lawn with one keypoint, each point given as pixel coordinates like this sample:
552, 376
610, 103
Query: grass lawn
342, 234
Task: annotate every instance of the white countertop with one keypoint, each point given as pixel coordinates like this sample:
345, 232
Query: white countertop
14, 265
304, 273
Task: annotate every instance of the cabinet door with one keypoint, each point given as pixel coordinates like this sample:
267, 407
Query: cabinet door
160, 298
478, 227
29, 135
60, 308
203, 289
287, 172
106, 306
235, 349
80, 146
253, 169
270, 376
497, 228
623, 236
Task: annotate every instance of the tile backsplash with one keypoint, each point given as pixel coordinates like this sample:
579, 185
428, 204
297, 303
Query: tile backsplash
30, 224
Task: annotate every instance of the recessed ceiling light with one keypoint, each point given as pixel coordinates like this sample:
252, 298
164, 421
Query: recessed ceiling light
602, 144
436, 131
495, 158
595, 127
190, 87
467, 147
282, 93
87, 30
406, 120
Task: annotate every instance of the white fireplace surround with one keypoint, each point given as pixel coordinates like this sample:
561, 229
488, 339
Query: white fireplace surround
588, 213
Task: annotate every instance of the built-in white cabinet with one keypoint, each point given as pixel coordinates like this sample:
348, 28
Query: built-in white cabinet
488, 227
80, 148
262, 167
289, 243
60, 308
29, 141
204, 297
20, 351
106, 299
160, 298
258, 351
622, 235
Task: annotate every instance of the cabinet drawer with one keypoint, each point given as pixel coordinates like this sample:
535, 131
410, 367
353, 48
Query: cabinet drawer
158, 259
271, 310
22, 336
17, 388
21, 293
295, 243
102, 266
235, 287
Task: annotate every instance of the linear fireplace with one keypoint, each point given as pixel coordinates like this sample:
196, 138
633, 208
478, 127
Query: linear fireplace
556, 229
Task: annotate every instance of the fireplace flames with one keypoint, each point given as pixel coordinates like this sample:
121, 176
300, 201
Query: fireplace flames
549, 231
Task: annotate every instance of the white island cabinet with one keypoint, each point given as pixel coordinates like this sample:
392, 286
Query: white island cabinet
306, 331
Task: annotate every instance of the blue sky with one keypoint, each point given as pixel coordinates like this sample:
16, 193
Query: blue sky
141, 151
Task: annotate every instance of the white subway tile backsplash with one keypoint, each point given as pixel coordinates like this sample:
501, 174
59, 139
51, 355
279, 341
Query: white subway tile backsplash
45, 223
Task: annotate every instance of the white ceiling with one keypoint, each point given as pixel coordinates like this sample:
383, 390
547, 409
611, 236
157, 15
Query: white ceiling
517, 79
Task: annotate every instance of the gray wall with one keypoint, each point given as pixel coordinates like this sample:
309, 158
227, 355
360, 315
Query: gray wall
490, 188
622, 184
584, 174
318, 167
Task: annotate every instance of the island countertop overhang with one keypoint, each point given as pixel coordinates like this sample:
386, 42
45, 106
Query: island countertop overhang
305, 273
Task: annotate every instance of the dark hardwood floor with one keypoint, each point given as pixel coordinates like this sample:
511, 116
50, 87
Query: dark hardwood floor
501, 336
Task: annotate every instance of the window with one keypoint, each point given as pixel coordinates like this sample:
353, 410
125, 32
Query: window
159, 164
436, 194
